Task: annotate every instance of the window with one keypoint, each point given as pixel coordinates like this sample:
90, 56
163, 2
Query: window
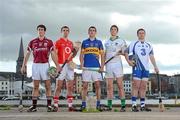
2, 88
6, 83
2, 83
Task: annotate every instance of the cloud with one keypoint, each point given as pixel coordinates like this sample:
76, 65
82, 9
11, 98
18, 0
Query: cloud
159, 18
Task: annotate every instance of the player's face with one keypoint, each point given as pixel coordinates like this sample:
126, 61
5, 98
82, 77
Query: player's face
65, 32
114, 31
41, 32
92, 32
141, 35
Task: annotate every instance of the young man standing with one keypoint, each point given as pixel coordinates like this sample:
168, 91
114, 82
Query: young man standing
114, 68
41, 47
142, 52
64, 47
91, 52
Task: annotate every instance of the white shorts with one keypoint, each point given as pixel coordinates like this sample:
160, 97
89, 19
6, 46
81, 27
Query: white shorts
67, 73
40, 71
91, 76
114, 70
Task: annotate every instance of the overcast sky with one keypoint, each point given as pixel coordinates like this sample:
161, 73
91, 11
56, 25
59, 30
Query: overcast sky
160, 18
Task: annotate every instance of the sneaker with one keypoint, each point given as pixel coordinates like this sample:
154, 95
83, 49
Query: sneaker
145, 109
32, 109
123, 109
55, 109
72, 109
109, 108
134, 109
83, 108
99, 108
49, 109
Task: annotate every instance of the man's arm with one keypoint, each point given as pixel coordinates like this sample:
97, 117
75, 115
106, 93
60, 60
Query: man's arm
102, 61
81, 58
26, 58
55, 59
153, 61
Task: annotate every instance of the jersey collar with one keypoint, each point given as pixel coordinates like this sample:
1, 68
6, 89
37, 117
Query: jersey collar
64, 39
91, 40
41, 40
117, 37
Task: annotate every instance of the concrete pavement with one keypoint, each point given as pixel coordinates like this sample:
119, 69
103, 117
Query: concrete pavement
14, 114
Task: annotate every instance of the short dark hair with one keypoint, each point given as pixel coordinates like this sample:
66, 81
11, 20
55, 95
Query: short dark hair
64, 27
41, 26
141, 29
93, 28
115, 27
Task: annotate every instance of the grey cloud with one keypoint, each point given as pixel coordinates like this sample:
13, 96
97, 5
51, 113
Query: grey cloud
20, 18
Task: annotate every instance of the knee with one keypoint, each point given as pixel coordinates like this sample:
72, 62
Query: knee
69, 87
36, 87
58, 87
120, 85
134, 86
97, 85
48, 87
110, 87
85, 86
143, 87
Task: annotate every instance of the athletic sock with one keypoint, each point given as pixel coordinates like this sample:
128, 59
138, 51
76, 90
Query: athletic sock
56, 101
142, 100
84, 104
34, 101
48, 100
109, 103
69, 100
133, 100
97, 103
123, 102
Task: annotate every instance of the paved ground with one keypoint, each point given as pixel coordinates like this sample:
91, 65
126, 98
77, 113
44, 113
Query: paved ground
14, 114
104, 101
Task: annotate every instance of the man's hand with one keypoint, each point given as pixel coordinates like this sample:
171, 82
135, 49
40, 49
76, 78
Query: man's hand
23, 69
81, 67
131, 63
58, 69
101, 69
156, 69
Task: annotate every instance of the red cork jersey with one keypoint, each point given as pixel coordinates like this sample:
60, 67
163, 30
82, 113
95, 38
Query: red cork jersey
64, 49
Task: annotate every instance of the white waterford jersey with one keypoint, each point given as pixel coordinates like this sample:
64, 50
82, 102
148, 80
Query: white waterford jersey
112, 47
142, 50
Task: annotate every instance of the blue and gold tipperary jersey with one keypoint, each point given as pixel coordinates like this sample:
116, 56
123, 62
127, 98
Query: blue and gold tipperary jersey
91, 49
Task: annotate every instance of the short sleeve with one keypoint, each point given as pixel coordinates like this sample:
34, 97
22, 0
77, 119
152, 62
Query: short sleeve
51, 46
151, 52
82, 47
101, 49
29, 47
124, 46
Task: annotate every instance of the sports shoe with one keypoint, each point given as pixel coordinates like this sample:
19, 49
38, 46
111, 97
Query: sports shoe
145, 109
123, 109
32, 109
55, 109
83, 108
134, 109
99, 108
49, 109
109, 108
72, 109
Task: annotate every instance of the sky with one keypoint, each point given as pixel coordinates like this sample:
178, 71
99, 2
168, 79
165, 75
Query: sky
160, 19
